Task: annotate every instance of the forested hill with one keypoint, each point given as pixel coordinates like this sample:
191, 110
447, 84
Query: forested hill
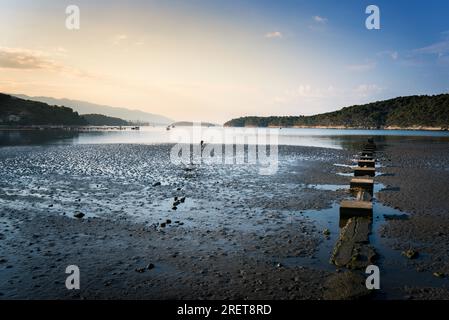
402, 112
17, 112
102, 120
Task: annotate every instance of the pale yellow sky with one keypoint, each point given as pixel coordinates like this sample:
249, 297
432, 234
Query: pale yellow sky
187, 60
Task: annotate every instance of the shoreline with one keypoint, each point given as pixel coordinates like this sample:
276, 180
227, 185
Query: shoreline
352, 128
123, 128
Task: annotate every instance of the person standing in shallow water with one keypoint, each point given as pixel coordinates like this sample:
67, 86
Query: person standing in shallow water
201, 154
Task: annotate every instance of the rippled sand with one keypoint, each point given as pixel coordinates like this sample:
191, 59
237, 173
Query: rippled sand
234, 225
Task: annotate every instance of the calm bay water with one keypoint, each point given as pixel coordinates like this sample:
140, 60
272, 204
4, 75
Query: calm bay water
327, 138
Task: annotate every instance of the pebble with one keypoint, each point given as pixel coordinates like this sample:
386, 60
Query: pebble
411, 254
79, 215
150, 266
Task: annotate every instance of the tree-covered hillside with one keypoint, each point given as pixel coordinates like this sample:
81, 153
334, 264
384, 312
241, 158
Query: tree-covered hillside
404, 112
18, 112
101, 120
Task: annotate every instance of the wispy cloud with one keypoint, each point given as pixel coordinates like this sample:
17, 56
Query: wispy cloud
310, 93
118, 38
439, 49
368, 65
367, 90
18, 58
318, 23
274, 35
25, 59
319, 19
389, 53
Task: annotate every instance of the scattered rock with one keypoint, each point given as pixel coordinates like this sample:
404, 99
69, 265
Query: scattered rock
410, 253
174, 208
150, 266
183, 199
156, 184
79, 215
163, 225
168, 221
438, 274
326, 232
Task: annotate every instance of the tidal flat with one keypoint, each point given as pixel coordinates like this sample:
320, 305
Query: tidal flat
234, 234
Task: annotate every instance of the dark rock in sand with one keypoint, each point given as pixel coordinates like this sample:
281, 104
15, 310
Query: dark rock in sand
150, 266
438, 274
411, 254
156, 184
183, 199
79, 215
168, 221
174, 208
163, 225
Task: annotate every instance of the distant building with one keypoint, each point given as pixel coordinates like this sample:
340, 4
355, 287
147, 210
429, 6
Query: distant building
13, 118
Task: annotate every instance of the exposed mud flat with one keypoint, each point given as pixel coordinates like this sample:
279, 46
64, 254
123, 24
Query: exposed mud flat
235, 234
225, 240
418, 176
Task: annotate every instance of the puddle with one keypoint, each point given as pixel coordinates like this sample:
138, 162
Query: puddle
345, 174
325, 187
345, 165
395, 269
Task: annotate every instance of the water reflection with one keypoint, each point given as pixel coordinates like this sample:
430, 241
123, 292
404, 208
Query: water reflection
327, 138
36, 137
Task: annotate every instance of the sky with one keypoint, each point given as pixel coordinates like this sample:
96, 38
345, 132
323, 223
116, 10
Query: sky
211, 60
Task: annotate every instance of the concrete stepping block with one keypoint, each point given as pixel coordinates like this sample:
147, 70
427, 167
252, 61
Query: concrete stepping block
352, 249
363, 171
367, 154
367, 163
359, 183
356, 208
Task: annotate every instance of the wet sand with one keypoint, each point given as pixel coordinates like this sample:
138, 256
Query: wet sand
418, 177
237, 234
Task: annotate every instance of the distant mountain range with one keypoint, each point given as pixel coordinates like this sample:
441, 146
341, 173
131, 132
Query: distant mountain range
16, 112
190, 123
412, 112
83, 107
